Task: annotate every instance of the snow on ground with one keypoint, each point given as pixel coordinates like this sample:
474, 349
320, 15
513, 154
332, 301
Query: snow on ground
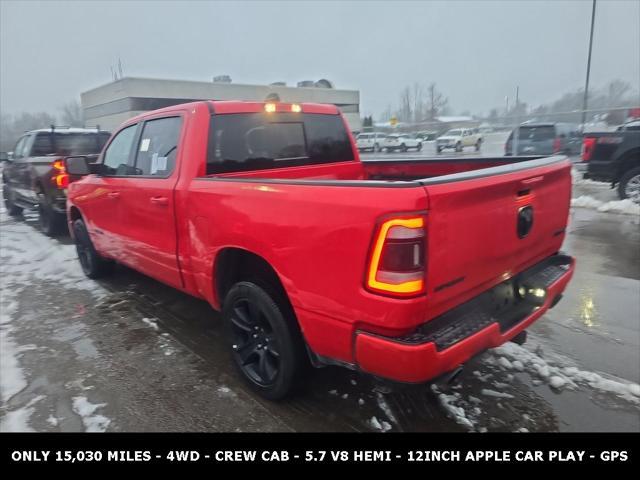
380, 426
27, 256
559, 373
92, 422
384, 406
454, 409
12, 378
616, 206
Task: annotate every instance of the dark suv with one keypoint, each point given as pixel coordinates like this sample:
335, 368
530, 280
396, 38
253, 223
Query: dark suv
546, 139
35, 176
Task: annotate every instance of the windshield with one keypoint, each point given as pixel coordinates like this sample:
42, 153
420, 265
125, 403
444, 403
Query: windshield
537, 134
257, 141
454, 133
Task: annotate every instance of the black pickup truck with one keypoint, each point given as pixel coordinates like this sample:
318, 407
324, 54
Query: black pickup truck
34, 175
615, 157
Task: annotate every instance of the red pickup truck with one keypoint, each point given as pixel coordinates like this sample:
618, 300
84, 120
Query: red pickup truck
403, 269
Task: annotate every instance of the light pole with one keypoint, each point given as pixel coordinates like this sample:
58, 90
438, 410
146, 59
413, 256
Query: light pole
516, 131
586, 83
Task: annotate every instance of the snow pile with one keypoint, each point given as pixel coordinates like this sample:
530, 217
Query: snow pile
492, 393
381, 426
616, 206
151, 322
450, 403
559, 375
18, 420
384, 406
92, 422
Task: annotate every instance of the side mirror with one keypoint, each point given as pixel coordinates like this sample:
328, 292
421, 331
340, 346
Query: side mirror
77, 166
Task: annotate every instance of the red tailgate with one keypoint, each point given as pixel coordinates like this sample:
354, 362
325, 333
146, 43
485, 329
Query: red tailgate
473, 241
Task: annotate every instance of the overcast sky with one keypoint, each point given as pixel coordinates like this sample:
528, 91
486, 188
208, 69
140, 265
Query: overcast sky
476, 51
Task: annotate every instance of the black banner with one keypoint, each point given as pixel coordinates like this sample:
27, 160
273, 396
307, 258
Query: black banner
313, 449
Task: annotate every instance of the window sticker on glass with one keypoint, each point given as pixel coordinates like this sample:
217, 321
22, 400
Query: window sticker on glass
158, 164
144, 146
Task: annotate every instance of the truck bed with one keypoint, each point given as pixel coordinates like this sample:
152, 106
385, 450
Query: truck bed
414, 172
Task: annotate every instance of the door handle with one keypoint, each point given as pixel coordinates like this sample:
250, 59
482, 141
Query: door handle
159, 200
113, 195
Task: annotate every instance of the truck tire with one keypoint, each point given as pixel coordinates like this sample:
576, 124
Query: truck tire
439, 149
52, 223
12, 208
629, 185
92, 263
266, 346
419, 147
478, 145
403, 148
458, 147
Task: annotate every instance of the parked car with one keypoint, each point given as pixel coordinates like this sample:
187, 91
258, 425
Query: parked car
266, 212
427, 136
402, 142
615, 157
370, 141
458, 138
35, 175
546, 139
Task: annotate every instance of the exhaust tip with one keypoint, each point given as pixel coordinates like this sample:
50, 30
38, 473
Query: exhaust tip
452, 376
520, 338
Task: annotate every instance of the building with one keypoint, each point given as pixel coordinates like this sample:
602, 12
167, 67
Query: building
115, 102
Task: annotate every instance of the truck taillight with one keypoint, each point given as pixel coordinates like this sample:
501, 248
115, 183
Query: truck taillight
60, 176
557, 145
588, 143
397, 264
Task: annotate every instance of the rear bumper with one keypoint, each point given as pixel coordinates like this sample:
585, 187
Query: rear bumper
486, 321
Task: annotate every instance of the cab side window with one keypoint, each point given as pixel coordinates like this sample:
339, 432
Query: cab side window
158, 147
19, 148
118, 153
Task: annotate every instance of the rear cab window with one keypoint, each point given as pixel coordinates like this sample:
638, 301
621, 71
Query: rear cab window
59, 143
256, 141
537, 133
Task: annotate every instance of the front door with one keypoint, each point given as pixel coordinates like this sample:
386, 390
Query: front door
147, 202
99, 196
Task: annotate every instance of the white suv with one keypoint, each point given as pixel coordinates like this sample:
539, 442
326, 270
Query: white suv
401, 141
458, 138
370, 141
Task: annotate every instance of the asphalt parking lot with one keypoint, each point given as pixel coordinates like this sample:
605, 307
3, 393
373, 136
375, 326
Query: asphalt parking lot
130, 354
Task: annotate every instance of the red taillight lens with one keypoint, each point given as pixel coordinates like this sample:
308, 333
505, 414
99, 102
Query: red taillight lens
557, 145
60, 178
397, 262
588, 144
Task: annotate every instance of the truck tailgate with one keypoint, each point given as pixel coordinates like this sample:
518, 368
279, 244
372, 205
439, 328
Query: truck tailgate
473, 240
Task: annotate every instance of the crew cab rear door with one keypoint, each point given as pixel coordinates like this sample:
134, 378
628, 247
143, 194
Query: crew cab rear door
486, 225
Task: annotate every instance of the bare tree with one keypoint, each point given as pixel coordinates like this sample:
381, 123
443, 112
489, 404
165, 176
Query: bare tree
405, 112
437, 102
13, 126
418, 102
71, 114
